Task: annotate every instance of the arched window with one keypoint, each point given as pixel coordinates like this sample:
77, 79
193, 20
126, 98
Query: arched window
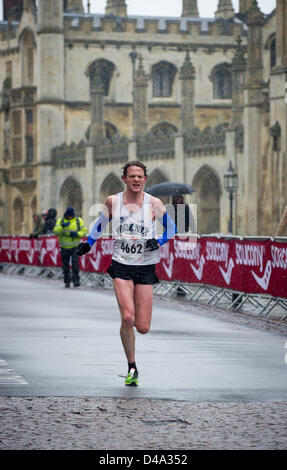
208, 191
157, 176
105, 69
273, 52
275, 132
163, 129
18, 209
110, 130
163, 75
112, 184
222, 82
27, 44
71, 195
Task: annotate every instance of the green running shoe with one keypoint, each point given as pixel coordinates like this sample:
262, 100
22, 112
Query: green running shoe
132, 378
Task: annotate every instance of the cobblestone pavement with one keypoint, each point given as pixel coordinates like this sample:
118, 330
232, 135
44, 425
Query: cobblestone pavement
89, 423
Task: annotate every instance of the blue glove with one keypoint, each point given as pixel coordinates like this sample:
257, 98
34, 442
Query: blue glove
73, 234
65, 224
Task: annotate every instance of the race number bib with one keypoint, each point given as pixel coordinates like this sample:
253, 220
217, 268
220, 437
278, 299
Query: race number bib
132, 248
132, 251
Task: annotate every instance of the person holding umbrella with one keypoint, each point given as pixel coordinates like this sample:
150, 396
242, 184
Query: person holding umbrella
179, 211
182, 216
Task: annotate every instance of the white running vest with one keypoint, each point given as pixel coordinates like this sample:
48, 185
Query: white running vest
131, 230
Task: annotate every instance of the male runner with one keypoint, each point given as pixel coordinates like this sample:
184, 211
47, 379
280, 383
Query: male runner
136, 252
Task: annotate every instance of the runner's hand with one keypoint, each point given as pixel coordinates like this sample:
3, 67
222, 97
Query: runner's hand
83, 248
152, 244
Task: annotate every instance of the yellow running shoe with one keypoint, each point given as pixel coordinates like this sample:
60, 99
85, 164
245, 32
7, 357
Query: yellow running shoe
132, 378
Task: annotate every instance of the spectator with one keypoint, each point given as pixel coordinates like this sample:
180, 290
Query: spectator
50, 222
184, 220
44, 214
70, 230
182, 216
38, 225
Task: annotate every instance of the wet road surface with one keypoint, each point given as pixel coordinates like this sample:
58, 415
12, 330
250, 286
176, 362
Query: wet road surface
204, 382
65, 342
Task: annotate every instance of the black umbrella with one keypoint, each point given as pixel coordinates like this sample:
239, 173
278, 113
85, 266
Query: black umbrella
170, 189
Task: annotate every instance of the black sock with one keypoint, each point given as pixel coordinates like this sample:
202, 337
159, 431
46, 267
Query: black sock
132, 365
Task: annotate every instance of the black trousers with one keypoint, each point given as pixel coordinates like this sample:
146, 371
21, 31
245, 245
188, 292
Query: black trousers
66, 255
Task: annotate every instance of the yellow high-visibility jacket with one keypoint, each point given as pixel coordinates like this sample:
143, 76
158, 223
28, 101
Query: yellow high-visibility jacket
75, 225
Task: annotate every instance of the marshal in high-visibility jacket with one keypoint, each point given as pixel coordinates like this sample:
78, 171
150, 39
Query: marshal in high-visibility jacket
70, 231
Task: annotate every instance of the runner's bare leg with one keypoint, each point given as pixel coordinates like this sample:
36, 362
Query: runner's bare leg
143, 298
125, 296
135, 304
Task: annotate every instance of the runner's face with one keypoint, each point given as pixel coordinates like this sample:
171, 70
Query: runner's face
135, 179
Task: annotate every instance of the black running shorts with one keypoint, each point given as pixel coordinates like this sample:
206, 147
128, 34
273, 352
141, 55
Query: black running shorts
139, 274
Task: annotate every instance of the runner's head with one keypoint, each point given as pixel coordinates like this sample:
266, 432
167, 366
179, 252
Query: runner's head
134, 163
134, 176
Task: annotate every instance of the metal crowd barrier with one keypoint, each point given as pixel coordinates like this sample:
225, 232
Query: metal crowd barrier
252, 304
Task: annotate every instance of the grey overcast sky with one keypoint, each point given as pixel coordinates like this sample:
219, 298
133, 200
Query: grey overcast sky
167, 7
173, 7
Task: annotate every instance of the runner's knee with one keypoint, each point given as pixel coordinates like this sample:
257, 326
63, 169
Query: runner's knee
143, 330
128, 319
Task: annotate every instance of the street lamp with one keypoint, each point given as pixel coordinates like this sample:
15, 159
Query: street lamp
230, 184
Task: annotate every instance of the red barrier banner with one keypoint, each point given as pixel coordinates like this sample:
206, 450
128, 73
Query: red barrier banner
99, 258
244, 265
42, 251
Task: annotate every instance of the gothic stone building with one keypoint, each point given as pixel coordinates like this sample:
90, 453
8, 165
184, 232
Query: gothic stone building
82, 93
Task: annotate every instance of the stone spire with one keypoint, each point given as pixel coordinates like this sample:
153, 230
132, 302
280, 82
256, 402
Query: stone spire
253, 119
281, 32
244, 6
74, 6
97, 104
116, 7
189, 8
238, 83
187, 77
255, 21
225, 10
140, 104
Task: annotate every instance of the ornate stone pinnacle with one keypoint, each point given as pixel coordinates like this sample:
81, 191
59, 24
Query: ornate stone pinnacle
140, 67
187, 70
254, 15
239, 58
140, 76
225, 10
189, 8
116, 7
75, 6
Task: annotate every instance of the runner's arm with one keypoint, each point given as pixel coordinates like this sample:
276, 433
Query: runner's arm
97, 230
170, 229
168, 224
